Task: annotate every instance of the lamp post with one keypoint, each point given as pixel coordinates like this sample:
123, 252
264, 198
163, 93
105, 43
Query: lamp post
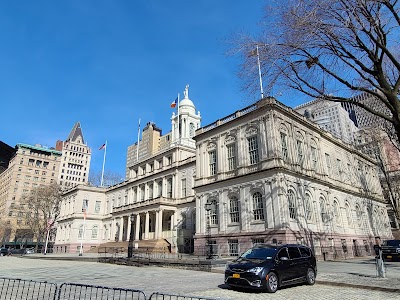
208, 207
130, 245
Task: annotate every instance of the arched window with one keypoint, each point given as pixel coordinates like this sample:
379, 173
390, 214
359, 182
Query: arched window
80, 232
324, 212
292, 205
234, 209
348, 214
308, 208
94, 231
336, 213
258, 206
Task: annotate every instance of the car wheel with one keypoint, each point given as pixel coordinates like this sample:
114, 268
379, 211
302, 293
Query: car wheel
310, 277
272, 283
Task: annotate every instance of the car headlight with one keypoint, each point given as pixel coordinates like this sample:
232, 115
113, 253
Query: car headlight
227, 267
255, 270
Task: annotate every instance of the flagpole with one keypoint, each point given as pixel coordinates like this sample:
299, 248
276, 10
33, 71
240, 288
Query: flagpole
179, 133
138, 142
259, 73
104, 162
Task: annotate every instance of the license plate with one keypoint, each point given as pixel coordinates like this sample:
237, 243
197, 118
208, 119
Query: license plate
389, 256
236, 275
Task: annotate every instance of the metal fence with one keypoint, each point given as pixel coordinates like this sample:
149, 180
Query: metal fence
69, 291
18, 289
162, 296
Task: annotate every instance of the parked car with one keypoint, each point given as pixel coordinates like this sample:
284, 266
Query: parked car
3, 251
29, 250
268, 267
391, 249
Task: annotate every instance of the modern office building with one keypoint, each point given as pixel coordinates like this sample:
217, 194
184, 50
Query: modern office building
330, 116
268, 174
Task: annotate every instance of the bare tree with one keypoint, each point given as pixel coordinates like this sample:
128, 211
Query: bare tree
330, 49
41, 209
379, 146
109, 178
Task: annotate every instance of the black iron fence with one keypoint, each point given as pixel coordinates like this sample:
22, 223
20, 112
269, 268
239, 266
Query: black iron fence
72, 291
19, 289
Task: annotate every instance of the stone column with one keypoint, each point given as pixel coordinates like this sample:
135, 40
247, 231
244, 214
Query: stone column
128, 231
157, 230
121, 229
137, 230
160, 223
146, 226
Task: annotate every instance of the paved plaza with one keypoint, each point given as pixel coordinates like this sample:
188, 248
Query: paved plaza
177, 281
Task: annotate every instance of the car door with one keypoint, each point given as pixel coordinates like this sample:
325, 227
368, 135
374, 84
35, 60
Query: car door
283, 264
296, 266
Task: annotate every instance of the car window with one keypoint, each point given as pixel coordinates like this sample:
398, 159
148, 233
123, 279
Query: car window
259, 253
282, 253
294, 252
393, 243
305, 252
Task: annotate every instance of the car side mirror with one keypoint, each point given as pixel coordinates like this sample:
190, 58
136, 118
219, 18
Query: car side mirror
284, 258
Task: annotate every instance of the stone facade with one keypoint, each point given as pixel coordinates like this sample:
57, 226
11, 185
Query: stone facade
76, 157
30, 167
157, 197
268, 174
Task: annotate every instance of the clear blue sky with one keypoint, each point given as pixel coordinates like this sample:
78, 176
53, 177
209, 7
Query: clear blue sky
109, 63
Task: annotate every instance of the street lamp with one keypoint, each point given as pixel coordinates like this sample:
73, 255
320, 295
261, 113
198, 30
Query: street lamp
130, 245
208, 207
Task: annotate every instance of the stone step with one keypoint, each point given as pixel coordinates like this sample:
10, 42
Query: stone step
143, 245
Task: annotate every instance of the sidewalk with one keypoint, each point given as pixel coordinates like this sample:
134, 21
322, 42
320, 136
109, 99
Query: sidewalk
356, 273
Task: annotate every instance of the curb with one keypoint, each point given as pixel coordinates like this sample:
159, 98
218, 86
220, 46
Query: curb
358, 286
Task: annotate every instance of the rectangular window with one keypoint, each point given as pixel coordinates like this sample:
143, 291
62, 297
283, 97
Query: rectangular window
313, 158
233, 247
159, 190
183, 186
257, 241
299, 146
142, 191
328, 163
169, 160
97, 207
231, 149
253, 150
150, 191
169, 188
284, 146
213, 162
339, 167
85, 204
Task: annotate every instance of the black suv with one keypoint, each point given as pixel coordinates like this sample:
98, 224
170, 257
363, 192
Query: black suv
391, 249
268, 267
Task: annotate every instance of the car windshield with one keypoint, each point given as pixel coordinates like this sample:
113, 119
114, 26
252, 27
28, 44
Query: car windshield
393, 243
259, 253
